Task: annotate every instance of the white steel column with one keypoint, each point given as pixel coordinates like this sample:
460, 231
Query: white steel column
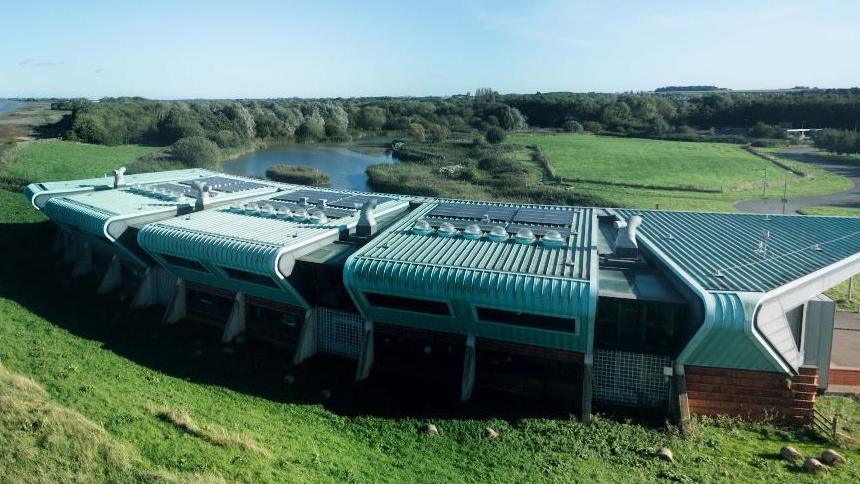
112, 277
468, 384
236, 323
365, 358
84, 262
146, 293
176, 309
307, 345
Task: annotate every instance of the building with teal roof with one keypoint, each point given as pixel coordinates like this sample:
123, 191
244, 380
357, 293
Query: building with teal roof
679, 312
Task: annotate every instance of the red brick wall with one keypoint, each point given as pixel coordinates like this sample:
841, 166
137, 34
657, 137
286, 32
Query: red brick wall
844, 376
752, 394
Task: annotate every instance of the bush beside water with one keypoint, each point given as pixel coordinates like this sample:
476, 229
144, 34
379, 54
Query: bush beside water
301, 175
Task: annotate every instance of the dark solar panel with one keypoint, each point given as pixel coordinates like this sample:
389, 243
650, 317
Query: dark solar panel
352, 201
544, 216
476, 212
174, 188
538, 230
314, 196
240, 186
330, 212
460, 224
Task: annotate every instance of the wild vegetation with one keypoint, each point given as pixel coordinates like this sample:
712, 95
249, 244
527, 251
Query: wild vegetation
302, 175
838, 141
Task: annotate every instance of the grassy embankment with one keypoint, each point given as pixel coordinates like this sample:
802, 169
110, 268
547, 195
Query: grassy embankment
120, 398
674, 174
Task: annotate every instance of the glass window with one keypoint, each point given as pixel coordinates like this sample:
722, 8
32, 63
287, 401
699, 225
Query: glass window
244, 276
530, 320
183, 262
407, 304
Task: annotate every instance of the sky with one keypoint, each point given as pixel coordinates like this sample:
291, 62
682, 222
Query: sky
329, 48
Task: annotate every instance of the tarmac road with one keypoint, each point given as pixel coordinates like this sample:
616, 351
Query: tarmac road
848, 198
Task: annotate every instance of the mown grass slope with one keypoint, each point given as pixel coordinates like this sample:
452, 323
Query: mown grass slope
63, 160
675, 175
173, 405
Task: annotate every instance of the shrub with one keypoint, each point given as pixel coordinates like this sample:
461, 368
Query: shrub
195, 151
302, 175
495, 135
764, 130
572, 126
592, 127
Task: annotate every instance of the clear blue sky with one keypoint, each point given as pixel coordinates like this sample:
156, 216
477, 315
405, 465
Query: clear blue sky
323, 48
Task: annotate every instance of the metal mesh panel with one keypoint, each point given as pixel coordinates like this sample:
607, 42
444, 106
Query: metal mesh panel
631, 378
339, 332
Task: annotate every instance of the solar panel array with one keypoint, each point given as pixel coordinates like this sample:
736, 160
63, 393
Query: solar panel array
330, 212
333, 199
175, 188
224, 184
539, 220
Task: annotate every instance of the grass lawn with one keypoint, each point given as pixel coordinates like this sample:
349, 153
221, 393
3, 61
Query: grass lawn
62, 160
833, 211
659, 172
91, 391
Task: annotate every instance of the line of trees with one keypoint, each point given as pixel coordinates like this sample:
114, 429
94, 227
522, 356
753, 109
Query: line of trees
232, 123
838, 141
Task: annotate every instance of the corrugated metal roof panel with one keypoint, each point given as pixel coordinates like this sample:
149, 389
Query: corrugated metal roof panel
720, 250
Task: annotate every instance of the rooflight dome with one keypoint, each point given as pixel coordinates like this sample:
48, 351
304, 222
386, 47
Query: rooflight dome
237, 208
317, 217
498, 234
268, 210
446, 230
422, 227
284, 213
472, 232
525, 236
252, 208
300, 215
552, 239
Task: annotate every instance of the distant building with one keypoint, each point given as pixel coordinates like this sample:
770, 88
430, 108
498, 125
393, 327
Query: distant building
679, 312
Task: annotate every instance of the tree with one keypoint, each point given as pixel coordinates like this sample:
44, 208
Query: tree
438, 133
312, 129
195, 151
417, 132
572, 126
371, 118
764, 130
495, 135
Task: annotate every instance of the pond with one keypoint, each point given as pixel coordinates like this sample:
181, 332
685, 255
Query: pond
346, 168
8, 105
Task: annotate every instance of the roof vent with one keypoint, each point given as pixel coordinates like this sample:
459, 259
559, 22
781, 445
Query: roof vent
303, 201
119, 177
472, 232
552, 239
817, 248
626, 245
366, 226
203, 196
446, 230
498, 234
422, 227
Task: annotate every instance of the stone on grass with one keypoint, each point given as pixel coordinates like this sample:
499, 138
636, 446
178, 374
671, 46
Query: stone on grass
429, 429
813, 465
490, 433
663, 453
790, 453
831, 457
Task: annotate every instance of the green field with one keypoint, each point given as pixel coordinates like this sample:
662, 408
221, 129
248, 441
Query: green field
62, 160
676, 175
90, 392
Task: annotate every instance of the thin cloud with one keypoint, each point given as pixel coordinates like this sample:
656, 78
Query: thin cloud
37, 63
550, 22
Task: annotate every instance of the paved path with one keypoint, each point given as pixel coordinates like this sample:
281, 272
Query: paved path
846, 340
848, 198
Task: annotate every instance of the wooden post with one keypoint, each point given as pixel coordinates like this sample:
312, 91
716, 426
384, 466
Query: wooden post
850, 288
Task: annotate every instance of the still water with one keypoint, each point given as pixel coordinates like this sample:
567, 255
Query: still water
7, 105
346, 168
